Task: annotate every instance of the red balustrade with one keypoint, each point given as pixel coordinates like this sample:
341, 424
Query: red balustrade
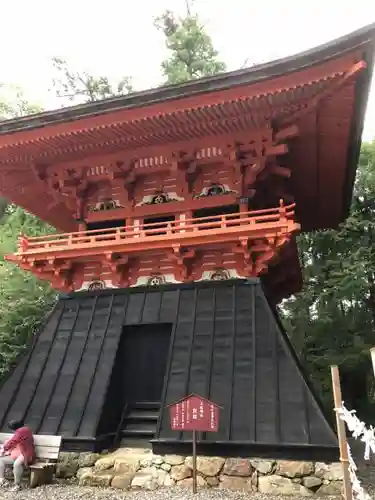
220, 228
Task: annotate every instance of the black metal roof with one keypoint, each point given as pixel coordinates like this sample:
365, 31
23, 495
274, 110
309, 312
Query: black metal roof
226, 345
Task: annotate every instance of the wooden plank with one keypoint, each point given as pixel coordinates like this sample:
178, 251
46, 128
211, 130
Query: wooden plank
46, 454
47, 440
54, 441
47, 448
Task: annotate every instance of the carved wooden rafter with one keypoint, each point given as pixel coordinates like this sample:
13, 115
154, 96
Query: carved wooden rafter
312, 103
183, 259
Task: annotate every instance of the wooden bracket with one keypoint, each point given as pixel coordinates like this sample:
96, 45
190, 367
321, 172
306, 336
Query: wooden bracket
247, 254
40, 175
185, 166
270, 252
183, 261
119, 266
57, 272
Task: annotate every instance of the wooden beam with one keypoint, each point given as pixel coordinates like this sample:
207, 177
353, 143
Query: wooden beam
277, 149
286, 133
282, 171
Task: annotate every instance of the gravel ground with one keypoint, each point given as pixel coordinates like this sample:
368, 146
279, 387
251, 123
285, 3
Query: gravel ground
63, 492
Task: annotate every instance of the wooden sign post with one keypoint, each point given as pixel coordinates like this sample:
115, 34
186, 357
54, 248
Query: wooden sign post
195, 414
341, 434
372, 352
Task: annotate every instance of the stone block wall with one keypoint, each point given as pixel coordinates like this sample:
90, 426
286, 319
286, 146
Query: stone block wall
140, 469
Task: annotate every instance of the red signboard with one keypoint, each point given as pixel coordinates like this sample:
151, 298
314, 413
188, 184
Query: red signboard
194, 413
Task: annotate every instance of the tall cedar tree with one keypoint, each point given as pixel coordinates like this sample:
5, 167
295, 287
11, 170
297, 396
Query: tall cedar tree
192, 53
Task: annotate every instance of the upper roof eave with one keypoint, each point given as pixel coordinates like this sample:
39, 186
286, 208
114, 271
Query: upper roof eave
223, 81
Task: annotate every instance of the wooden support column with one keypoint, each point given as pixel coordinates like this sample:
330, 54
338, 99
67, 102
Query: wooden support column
244, 208
182, 219
341, 434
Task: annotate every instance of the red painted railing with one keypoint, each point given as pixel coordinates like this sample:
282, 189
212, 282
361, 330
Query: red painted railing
248, 223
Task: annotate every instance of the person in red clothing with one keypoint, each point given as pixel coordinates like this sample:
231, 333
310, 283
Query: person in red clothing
18, 451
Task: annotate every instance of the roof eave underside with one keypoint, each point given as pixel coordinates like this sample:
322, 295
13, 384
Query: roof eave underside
334, 49
361, 41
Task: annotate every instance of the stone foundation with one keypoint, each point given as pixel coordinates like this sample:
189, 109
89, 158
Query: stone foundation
140, 469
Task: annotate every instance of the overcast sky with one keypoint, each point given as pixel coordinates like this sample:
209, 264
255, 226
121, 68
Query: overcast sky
117, 37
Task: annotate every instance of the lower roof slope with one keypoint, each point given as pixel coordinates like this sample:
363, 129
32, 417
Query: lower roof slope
226, 345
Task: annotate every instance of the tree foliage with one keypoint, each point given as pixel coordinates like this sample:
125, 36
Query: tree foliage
13, 103
192, 53
82, 87
24, 300
333, 320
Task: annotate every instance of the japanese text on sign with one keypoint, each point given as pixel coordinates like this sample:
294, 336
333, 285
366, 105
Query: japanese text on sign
194, 414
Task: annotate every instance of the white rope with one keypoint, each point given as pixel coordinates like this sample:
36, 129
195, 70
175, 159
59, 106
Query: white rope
366, 435
358, 429
357, 488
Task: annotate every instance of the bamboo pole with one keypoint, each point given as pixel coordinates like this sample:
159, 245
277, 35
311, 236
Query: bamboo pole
341, 434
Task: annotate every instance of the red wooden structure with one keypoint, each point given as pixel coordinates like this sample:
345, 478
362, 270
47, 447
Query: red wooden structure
194, 413
201, 181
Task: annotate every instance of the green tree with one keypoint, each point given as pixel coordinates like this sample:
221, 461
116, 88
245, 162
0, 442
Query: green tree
13, 103
192, 53
333, 320
79, 86
24, 300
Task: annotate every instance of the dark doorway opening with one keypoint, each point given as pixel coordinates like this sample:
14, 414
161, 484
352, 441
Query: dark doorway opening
132, 407
144, 352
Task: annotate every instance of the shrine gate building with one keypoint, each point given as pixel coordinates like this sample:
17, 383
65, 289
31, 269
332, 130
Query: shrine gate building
176, 213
